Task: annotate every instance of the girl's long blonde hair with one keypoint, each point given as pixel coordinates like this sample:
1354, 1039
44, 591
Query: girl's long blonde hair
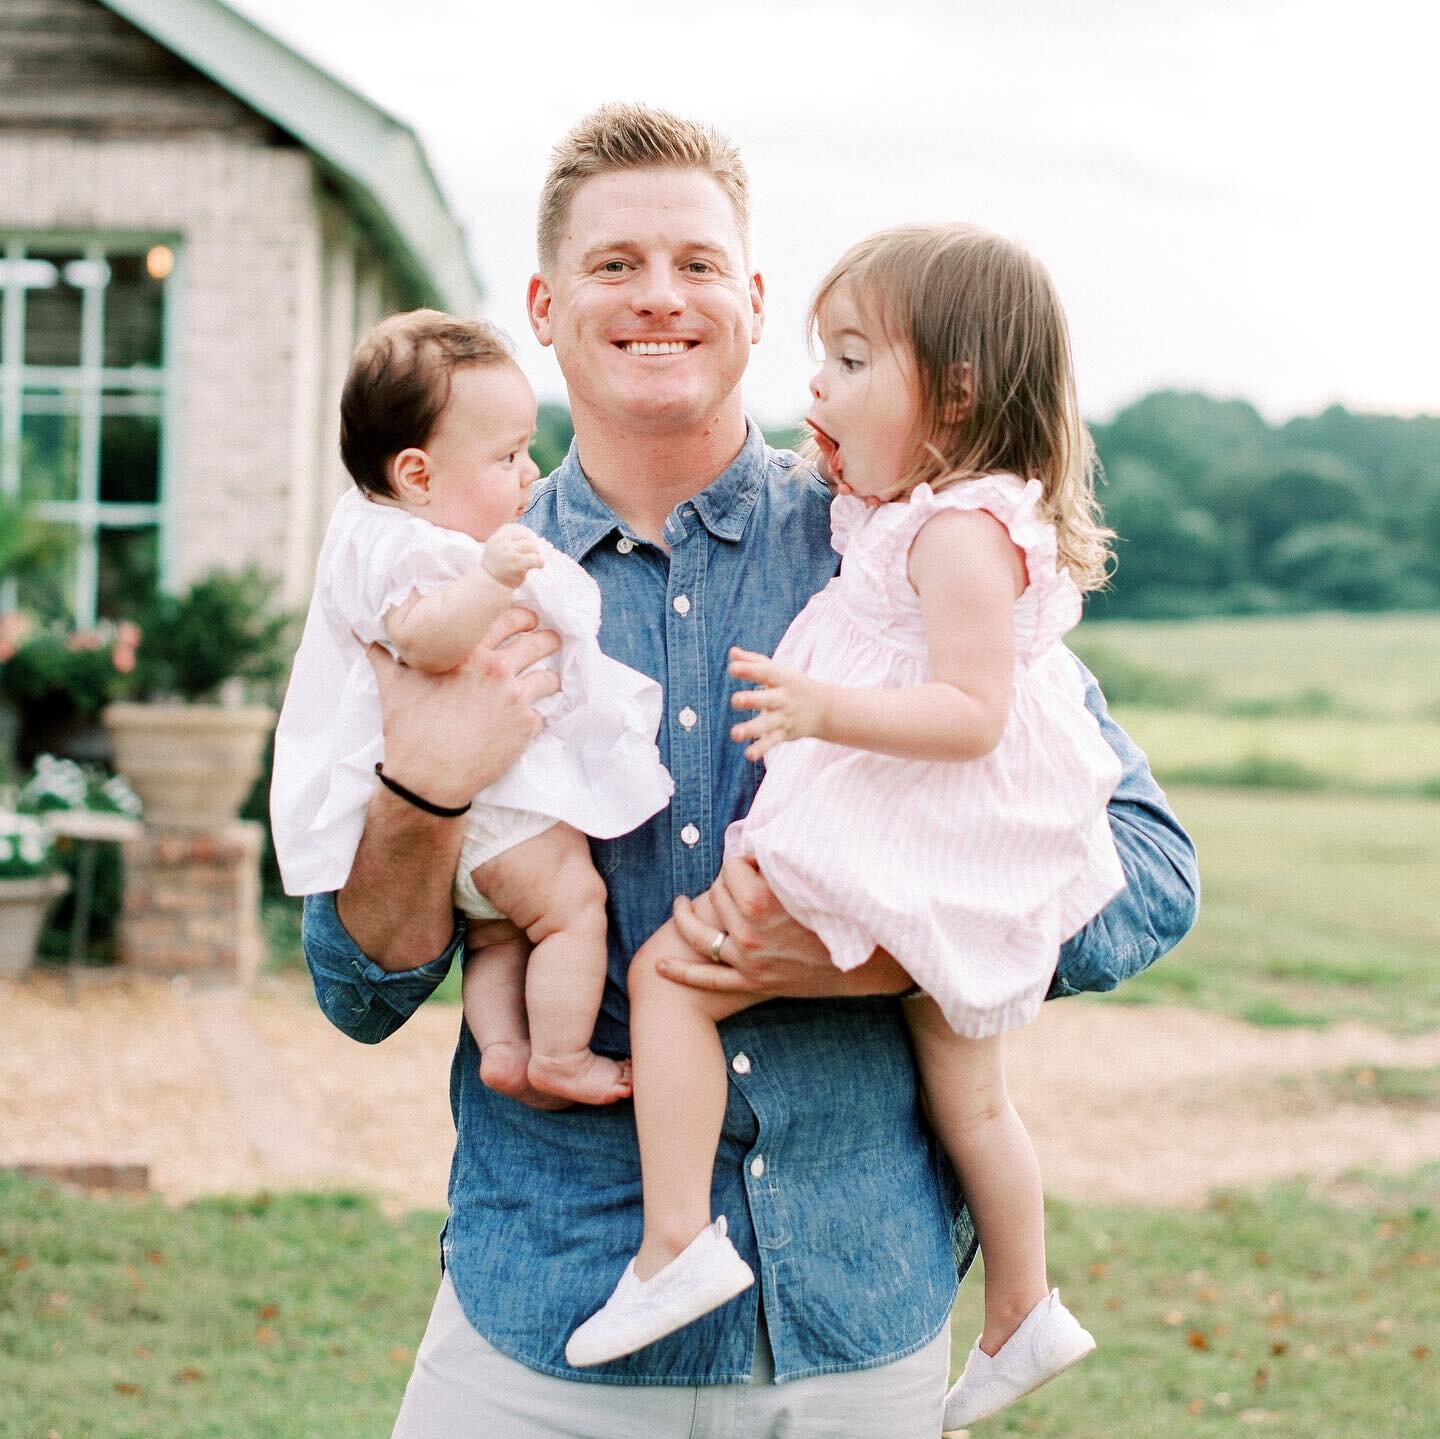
981, 318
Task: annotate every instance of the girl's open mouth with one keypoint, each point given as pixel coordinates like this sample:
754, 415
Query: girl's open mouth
829, 452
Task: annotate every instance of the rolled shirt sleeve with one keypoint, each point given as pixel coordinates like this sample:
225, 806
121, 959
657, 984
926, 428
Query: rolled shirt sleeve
357, 996
1158, 906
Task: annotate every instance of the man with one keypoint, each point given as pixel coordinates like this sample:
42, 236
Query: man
699, 537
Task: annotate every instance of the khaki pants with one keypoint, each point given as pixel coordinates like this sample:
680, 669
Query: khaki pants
463, 1388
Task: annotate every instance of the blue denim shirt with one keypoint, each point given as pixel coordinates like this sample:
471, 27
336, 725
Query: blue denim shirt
835, 1191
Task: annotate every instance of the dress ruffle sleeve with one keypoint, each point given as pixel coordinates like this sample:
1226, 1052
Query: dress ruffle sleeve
1051, 603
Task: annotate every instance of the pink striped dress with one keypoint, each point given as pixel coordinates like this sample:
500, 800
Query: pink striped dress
971, 873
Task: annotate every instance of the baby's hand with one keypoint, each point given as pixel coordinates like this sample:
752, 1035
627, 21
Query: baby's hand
510, 554
790, 704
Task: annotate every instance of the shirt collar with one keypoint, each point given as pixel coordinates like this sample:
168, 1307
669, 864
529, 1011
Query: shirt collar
723, 506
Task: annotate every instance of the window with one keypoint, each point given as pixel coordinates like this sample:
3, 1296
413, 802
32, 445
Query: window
84, 392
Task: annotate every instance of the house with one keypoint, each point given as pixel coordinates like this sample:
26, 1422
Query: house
196, 224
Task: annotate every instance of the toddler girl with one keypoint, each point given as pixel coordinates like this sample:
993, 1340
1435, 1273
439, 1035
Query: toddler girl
934, 785
422, 556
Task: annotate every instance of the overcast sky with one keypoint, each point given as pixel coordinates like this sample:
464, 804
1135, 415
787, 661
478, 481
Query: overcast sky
1238, 196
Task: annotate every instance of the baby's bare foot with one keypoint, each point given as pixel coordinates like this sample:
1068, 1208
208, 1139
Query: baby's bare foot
504, 1068
584, 1077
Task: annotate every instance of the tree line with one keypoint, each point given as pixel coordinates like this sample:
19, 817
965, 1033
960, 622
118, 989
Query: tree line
1218, 512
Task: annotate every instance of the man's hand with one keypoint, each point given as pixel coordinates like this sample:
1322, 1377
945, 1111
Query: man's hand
510, 554
449, 735
765, 951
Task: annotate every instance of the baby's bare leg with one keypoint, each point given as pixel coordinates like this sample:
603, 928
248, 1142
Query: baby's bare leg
974, 1120
492, 989
679, 1096
549, 887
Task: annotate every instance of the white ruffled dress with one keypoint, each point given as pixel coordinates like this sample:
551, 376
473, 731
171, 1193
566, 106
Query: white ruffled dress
594, 765
971, 873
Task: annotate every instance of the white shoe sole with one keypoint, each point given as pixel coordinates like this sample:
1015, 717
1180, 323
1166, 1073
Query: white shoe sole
958, 1431
603, 1349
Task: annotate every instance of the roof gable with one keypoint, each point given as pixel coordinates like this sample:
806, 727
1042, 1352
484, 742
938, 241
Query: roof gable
376, 159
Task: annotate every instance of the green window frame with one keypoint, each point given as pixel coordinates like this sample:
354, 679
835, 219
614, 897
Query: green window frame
88, 340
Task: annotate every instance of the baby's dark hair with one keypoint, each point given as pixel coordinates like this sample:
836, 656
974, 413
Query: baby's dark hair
399, 385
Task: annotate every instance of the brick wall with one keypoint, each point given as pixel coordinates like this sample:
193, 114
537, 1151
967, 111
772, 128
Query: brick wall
263, 315
192, 903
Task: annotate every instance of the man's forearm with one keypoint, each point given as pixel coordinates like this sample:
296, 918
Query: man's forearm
396, 904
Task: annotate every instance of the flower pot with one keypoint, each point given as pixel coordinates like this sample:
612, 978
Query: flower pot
192, 765
61, 730
24, 903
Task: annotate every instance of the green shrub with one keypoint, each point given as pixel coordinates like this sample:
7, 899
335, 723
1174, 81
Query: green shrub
225, 628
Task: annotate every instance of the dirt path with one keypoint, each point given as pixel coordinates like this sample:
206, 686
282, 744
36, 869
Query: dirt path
222, 1091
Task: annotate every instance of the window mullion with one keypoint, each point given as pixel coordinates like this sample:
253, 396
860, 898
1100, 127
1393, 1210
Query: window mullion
92, 356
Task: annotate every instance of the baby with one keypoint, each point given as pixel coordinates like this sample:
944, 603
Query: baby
422, 557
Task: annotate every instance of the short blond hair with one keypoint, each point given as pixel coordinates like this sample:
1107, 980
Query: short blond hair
636, 137
980, 313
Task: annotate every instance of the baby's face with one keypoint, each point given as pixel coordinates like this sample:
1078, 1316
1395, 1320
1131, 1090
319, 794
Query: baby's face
481, 470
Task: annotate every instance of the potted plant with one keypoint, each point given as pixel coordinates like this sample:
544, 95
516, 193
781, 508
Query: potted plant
29, 548
189, 739
57, 681
30, 882
88, 814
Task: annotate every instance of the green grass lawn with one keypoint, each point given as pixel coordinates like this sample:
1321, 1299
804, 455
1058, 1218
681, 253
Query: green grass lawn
1341, 753
297, 1315
1315, 907
1381, 666
1281, 1314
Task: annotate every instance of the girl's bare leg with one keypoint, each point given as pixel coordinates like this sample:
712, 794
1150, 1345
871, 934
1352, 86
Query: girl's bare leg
680, 1089
974, 1120
492, 989
548, 886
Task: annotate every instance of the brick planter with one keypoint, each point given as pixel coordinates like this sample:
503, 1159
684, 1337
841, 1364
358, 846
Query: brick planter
192, 903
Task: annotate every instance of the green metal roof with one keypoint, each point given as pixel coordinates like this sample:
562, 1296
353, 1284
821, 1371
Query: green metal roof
376, 159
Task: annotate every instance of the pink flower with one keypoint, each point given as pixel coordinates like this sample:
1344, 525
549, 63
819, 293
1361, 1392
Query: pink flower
14, 627
78, 640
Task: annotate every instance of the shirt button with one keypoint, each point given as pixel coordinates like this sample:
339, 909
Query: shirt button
681, 604
688, 718
741, 1064
690, 835
624, 544
757, 1166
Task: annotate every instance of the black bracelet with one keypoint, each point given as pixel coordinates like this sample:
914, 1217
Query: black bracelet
410, 797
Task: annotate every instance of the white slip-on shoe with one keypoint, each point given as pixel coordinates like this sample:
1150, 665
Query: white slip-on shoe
703, 1276
1049, 1340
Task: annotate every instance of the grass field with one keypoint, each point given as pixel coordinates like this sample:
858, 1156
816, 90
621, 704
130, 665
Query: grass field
296, 1316
1380, 666
1315, 907
1340, 702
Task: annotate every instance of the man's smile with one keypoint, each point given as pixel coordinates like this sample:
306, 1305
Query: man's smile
656, 347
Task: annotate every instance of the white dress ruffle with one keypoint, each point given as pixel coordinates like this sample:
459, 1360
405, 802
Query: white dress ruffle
971, 873
594, 765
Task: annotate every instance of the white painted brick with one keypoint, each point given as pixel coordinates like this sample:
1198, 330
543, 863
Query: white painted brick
249, 218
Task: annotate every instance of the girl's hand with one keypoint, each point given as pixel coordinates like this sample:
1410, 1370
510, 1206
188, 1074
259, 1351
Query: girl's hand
790, 704
510, 554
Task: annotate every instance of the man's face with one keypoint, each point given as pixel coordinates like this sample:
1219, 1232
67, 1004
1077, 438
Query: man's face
648, 302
